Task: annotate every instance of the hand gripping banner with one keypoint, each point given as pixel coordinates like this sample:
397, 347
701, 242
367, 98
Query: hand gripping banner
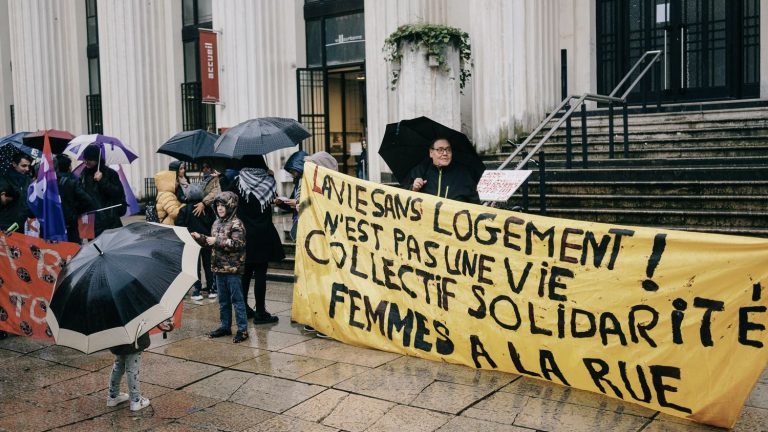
670, 320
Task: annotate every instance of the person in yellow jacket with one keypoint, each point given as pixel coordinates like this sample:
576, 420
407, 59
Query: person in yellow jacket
167, 204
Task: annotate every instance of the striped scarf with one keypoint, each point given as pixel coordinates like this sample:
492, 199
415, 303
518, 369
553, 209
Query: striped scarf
257, 182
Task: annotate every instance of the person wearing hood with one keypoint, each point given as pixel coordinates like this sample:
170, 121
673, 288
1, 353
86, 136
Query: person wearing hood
103, 184
227, 240
439, 175
256, 189
167, 202
17, 178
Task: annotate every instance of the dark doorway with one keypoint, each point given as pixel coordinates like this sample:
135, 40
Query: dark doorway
710, 47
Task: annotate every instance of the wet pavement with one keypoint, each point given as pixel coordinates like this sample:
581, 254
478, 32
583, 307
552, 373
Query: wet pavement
285, 379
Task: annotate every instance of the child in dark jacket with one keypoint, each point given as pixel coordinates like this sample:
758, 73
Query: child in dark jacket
128, 361
228, 242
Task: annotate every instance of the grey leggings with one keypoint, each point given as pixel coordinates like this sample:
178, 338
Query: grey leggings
128, 364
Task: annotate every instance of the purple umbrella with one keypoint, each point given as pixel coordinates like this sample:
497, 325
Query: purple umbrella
112, 150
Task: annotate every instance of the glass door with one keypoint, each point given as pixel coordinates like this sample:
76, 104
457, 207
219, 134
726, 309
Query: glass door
347, 120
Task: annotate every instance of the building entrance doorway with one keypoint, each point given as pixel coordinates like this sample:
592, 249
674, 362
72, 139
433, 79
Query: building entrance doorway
710, 48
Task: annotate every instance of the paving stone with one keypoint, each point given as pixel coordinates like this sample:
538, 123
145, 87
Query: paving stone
449, 397
172, 372
23, 344
406, 418
357, 413
759, 396
463, 424
391, 386
500, 407
337, 351
177, 404
115, 422
37, 419
267, 338
333, 374
283, 423
6, 355
318, 407
282, 365
210, 351
226, 416
545, 390
273, 394
221, 385
543, 414
449, 372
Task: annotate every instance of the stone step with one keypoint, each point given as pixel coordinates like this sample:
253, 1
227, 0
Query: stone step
602, 161
666, 131
643, 217
681, 142
751, 203
660, 188
685, 173
682, 117
280, 275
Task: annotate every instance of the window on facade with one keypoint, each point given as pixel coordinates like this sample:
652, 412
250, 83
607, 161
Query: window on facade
314, 44
94, 80
196, 14
345, 39
91, 20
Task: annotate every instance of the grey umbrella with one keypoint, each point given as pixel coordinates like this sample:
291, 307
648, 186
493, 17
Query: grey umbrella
260, 136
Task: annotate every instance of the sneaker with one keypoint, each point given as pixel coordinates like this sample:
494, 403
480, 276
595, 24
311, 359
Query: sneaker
309, 329
264, 318
239, 337
117, 400
212, 295
139, 404
197, 297
249, 313
219, 332
323, 335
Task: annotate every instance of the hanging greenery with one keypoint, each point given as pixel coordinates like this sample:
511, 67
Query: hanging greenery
434, 38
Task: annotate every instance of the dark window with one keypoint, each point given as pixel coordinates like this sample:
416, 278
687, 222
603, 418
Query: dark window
93, 99
345, 39
314, 44
94, 79
196, 14
13, 120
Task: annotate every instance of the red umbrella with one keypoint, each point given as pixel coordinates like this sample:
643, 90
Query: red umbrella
58, 138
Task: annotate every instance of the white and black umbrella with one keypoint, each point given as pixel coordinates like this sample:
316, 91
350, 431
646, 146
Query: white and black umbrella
121, 285
260, 136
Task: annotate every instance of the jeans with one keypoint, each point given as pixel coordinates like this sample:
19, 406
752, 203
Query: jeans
128, 364
231, 295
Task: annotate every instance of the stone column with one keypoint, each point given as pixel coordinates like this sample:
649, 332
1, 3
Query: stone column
426, 89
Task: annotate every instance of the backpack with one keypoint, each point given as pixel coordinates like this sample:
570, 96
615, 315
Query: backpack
150, 212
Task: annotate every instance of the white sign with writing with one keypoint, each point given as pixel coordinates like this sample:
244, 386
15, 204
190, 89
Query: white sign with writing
499, 185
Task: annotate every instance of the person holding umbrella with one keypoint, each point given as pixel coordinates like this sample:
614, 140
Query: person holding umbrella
103, 184
74, 200
255, 188
16, 211
436, 175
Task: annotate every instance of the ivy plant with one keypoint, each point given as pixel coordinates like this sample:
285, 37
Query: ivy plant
434, 38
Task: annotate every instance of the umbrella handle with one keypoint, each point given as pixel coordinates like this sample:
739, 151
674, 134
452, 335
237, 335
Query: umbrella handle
138, 331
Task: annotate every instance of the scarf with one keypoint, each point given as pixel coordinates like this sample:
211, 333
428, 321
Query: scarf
257, 182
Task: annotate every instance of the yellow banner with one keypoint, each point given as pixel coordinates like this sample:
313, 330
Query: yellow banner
674, 321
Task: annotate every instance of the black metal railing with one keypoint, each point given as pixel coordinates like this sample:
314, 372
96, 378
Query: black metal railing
93, 105
565, 110
196, 114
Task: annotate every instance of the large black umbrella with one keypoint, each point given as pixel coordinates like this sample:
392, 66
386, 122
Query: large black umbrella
59, 139
121, 285
406, 144
191, 146
260, 136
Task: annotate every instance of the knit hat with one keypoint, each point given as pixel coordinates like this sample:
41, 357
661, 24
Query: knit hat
92, 153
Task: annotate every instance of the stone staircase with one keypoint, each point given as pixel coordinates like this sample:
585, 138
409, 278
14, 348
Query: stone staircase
700, 171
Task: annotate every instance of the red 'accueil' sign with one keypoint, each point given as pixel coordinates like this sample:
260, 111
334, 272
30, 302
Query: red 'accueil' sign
209, 66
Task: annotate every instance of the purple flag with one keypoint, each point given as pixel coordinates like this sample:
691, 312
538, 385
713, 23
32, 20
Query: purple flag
44, 200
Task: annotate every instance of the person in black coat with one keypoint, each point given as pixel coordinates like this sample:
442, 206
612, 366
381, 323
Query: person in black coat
103, 184
256, 189
17, 211
439, 175
74, 199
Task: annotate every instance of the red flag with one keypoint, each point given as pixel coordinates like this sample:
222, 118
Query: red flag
29, 267
86, 225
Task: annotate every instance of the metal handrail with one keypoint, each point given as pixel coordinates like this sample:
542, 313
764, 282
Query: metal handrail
580, 100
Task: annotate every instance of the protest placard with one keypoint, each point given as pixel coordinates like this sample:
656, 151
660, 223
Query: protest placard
499, 185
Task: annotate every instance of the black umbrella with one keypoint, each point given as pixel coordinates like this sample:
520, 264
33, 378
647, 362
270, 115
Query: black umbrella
191, 146
406, 144
59, 140
121, 285
260, 136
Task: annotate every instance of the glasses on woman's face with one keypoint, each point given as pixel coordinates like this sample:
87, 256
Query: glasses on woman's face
442, 150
